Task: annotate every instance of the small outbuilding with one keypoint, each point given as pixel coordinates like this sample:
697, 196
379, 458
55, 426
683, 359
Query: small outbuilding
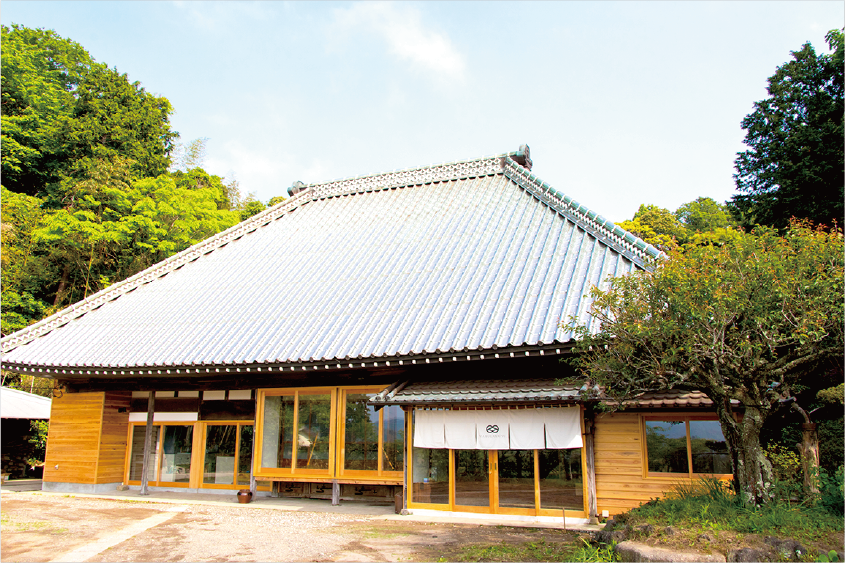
17, 411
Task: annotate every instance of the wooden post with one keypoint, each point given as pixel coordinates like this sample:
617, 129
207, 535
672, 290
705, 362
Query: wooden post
148, 441
589, 451
253, 487
335, 492
407, 460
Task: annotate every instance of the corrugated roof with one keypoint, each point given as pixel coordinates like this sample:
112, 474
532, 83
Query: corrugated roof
20, 404
477, 391
460, 256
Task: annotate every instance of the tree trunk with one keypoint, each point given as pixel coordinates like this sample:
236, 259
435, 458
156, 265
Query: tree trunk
62, 286
752, 471
809, 447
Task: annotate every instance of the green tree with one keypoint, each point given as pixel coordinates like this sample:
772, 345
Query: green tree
40, 73
794, 166
115, 227
657, 226
703, 215
22, 271
63, 112
743, 321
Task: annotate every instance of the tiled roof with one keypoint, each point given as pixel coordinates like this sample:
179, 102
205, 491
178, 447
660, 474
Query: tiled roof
437, 260
673, 398
516, 391
20, 404
477, 391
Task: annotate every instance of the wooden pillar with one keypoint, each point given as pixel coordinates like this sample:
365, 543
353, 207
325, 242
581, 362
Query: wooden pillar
148, 441
335, 492
406, 412
589, 451
252, 485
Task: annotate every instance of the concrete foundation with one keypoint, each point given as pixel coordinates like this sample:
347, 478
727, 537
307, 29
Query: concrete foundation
57, 487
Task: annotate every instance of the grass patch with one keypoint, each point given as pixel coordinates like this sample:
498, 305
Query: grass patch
10, 525
709, 506
535, 551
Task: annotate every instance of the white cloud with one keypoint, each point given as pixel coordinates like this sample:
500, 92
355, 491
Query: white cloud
407, 37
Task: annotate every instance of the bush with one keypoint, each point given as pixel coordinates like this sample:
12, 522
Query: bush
832, 491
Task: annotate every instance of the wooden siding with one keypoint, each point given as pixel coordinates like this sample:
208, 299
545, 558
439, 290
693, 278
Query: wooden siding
86, 442
619, 453
112, 454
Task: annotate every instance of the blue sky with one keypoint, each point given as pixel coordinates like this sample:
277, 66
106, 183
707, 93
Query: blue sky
621, 103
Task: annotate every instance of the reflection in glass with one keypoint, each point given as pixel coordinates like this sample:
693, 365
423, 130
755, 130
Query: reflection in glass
431, 476
136, 465
361, 434
313, 437
220, 444
560, 479
245, 454
516, 478
393, 438
277, 441
709, 449
176, 454
666, 443
472, 482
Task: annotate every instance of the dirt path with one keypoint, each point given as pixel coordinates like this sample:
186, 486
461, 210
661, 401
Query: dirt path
46, 528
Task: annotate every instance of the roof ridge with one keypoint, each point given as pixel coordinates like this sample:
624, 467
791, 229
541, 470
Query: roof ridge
629, 245
455, 170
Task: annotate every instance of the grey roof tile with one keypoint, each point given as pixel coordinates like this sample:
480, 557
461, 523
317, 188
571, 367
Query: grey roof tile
453, 257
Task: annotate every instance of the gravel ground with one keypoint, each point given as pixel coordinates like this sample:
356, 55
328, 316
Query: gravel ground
42, 527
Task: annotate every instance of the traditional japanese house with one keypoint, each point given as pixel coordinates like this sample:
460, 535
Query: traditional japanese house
400, 332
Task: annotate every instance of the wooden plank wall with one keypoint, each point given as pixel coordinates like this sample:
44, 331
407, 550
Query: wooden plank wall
620, 455
112, 454
87, 438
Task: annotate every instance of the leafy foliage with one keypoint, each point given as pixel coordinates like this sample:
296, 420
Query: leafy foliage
702, 219
39, 439
742, 321
90, 194
794, 166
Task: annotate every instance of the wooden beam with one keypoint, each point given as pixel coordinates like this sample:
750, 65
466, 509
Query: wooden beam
148, 441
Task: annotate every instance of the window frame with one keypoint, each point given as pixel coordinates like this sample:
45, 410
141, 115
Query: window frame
293, 470
159, 452
686, 419
239, 423
380, 472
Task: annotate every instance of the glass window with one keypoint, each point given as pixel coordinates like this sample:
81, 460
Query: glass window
176, 454
472, 481
431, 476
220, 449
709, 449
245, 454
277, 440
516, 478
314, 427
136, 463
393, 438
686, 446
666, 443
361, 445
560, 479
